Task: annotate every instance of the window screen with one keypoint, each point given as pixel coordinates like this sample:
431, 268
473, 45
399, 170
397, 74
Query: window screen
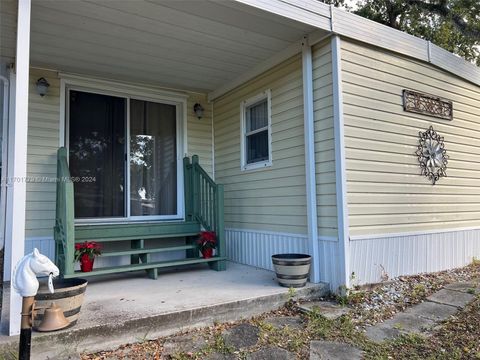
256, 135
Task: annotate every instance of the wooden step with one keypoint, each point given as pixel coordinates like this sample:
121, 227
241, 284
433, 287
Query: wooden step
149, 251
136, 267
135, 231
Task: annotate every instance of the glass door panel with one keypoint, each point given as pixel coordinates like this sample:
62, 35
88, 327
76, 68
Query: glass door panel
153, 159
97, 154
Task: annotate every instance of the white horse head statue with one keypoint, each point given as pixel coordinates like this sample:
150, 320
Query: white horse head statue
28, 268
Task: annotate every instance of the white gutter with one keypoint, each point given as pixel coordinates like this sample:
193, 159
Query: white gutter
3, 187
309, 133
340, 178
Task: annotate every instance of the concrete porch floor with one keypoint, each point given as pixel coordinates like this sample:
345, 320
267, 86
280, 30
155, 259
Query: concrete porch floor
129, 307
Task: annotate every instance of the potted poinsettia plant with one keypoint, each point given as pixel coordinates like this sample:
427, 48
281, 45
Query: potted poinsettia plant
85, 253
207, 241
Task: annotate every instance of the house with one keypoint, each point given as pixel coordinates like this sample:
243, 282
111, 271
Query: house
308, 116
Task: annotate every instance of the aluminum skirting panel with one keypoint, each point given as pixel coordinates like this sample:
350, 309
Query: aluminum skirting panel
395, 255
45, 245
255, 248
330, 267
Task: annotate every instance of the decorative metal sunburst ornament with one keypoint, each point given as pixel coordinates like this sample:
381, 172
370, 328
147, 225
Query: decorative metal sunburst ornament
432, 155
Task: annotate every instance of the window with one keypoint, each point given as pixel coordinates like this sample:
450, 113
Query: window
123, 151
256, 132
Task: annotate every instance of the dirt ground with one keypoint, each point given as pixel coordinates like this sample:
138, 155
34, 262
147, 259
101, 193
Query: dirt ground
456, 338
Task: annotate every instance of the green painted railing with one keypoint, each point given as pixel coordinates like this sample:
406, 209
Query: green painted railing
204, 202
64, 230
203, 208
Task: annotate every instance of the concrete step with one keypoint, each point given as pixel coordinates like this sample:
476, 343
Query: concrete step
128, 308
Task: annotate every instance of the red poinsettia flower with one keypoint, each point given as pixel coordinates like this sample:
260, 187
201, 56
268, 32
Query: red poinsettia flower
90, 248
207, 240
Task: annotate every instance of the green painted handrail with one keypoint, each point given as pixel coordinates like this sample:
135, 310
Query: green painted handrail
64, 230
204, 202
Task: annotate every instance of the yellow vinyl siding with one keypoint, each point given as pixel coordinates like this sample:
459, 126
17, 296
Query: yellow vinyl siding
8, 30
324, 140
199, 131
43, 142
272, 198
386, 193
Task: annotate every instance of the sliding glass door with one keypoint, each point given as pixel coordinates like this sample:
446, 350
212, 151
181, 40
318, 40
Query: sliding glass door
123, 157
153, 159
97, 154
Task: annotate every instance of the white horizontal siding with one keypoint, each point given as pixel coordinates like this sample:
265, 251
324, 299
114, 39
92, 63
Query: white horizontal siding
386, 193
397, 255
272, 198
324, 139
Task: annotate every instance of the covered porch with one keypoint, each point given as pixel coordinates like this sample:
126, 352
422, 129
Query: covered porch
128, 308
154, 51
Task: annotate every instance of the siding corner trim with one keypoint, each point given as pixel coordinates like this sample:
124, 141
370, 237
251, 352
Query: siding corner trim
309, 133
340, 170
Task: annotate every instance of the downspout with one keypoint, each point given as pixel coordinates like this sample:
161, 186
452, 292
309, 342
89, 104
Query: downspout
340, 178
311, 184
3, 187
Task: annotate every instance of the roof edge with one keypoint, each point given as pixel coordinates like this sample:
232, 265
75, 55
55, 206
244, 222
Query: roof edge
337, 21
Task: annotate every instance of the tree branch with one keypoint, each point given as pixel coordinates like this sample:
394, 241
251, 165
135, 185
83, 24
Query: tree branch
441, 8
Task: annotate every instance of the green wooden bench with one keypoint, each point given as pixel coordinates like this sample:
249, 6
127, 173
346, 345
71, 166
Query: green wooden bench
203, 209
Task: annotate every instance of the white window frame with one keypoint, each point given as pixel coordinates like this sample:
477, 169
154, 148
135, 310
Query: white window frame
244, 166
129, 92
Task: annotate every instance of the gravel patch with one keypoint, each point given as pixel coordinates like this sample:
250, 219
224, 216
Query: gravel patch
384, 300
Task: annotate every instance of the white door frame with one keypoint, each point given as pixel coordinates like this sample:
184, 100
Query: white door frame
128, 92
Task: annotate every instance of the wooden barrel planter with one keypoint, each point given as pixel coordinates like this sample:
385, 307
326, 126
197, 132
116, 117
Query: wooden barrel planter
68, 295
292, 269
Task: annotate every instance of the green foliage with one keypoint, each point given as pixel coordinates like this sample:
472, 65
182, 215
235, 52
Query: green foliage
419, 291
219, 345
336, 3
285, 337
451, 24
291, 293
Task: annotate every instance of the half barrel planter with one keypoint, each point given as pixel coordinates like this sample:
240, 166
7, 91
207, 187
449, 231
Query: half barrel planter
69, 294
292, 269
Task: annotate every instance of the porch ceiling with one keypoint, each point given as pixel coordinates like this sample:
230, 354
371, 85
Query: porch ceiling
189, 44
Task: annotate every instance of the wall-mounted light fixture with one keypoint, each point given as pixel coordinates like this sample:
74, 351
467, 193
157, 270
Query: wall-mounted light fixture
198, 110
42, 86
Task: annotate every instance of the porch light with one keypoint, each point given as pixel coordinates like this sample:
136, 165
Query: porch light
198, 110
42, 86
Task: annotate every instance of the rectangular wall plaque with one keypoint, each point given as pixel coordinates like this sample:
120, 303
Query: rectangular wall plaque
427, 104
